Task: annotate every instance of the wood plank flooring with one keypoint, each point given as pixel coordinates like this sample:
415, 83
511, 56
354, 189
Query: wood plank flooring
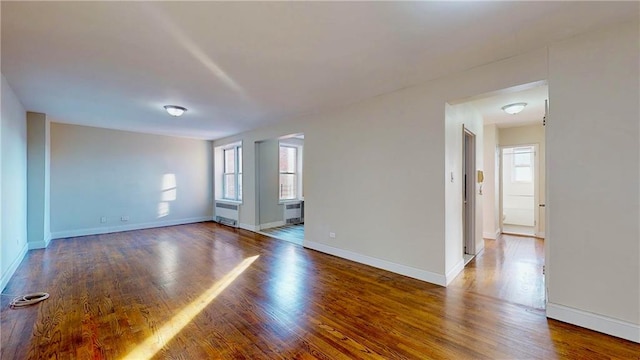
509, 269
113, 294
291, 233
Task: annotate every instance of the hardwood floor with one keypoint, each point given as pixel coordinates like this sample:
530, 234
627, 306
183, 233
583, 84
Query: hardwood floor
199, 292
509, 269
291, 233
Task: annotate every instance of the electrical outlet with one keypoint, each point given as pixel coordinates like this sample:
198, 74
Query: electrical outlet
103, 219
332, 235
124, 218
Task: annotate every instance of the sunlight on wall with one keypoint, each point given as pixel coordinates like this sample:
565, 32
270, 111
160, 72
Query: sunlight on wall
155, 342
181, 38
169, 193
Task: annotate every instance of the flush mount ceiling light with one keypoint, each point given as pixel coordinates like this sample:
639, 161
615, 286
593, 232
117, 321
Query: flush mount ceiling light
175, 110
513, 109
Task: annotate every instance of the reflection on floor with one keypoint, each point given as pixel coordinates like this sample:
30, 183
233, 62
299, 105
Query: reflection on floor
291, 233
509, 269
518, 229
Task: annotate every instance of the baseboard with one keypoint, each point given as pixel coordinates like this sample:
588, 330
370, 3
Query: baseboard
491, 235
419, 274
540, 234
129, 227
603, 324
272, 225
253, 228
40, 244
13, 267
451, 274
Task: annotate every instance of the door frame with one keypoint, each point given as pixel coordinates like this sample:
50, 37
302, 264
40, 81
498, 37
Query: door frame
468, 197
536, 186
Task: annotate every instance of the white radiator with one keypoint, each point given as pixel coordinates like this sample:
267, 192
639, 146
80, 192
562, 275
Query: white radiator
294, 212
227, 213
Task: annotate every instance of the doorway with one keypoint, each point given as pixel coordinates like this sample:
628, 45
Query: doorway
519, 189
508, 267
468, 194
279, 187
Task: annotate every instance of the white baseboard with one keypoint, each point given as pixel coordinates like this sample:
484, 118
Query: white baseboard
253, 228
540, 234
40, 244
451, 274
128, 227
419, 274
13, 267
603, 324
272, 225
491, 235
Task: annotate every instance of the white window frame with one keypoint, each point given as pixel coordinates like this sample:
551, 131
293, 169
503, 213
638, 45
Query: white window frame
296, 173
237, 172
530, 150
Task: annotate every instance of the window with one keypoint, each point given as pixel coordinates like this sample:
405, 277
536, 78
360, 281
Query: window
522, 164
232, 176
288, 189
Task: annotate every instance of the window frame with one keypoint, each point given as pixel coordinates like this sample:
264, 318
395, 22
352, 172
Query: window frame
529, 150
295, 173
237, 172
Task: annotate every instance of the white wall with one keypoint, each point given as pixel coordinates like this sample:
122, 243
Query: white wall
455, 117
593, 166
271, 212
530, 134
490, 187
38, 180
13, 183
154, 180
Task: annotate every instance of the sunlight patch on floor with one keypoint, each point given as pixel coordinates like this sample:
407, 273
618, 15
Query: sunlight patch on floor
157, 341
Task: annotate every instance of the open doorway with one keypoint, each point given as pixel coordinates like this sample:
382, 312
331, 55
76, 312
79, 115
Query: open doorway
519, 189
279, 187
509, 268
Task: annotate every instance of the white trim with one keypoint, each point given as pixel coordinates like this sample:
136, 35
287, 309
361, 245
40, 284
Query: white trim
405, 270
128, 227
271, 225
253, 228
603, 324
451, 274
227, 201
13, 267
489, 235
40, 244
540, 234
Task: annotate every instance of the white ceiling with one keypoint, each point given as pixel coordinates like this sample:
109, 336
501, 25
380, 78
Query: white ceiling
491, 107
242, 65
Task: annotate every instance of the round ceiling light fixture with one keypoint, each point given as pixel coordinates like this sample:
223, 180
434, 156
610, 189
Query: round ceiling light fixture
175, 110
515, 108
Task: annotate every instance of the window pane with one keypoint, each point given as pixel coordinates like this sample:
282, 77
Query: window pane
229, 191
288, 157
522, 156
240, 160
288, 189
239, 187
229, 160
523, 174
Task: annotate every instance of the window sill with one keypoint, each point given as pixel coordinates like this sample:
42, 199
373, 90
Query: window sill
229, 201
282, 202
